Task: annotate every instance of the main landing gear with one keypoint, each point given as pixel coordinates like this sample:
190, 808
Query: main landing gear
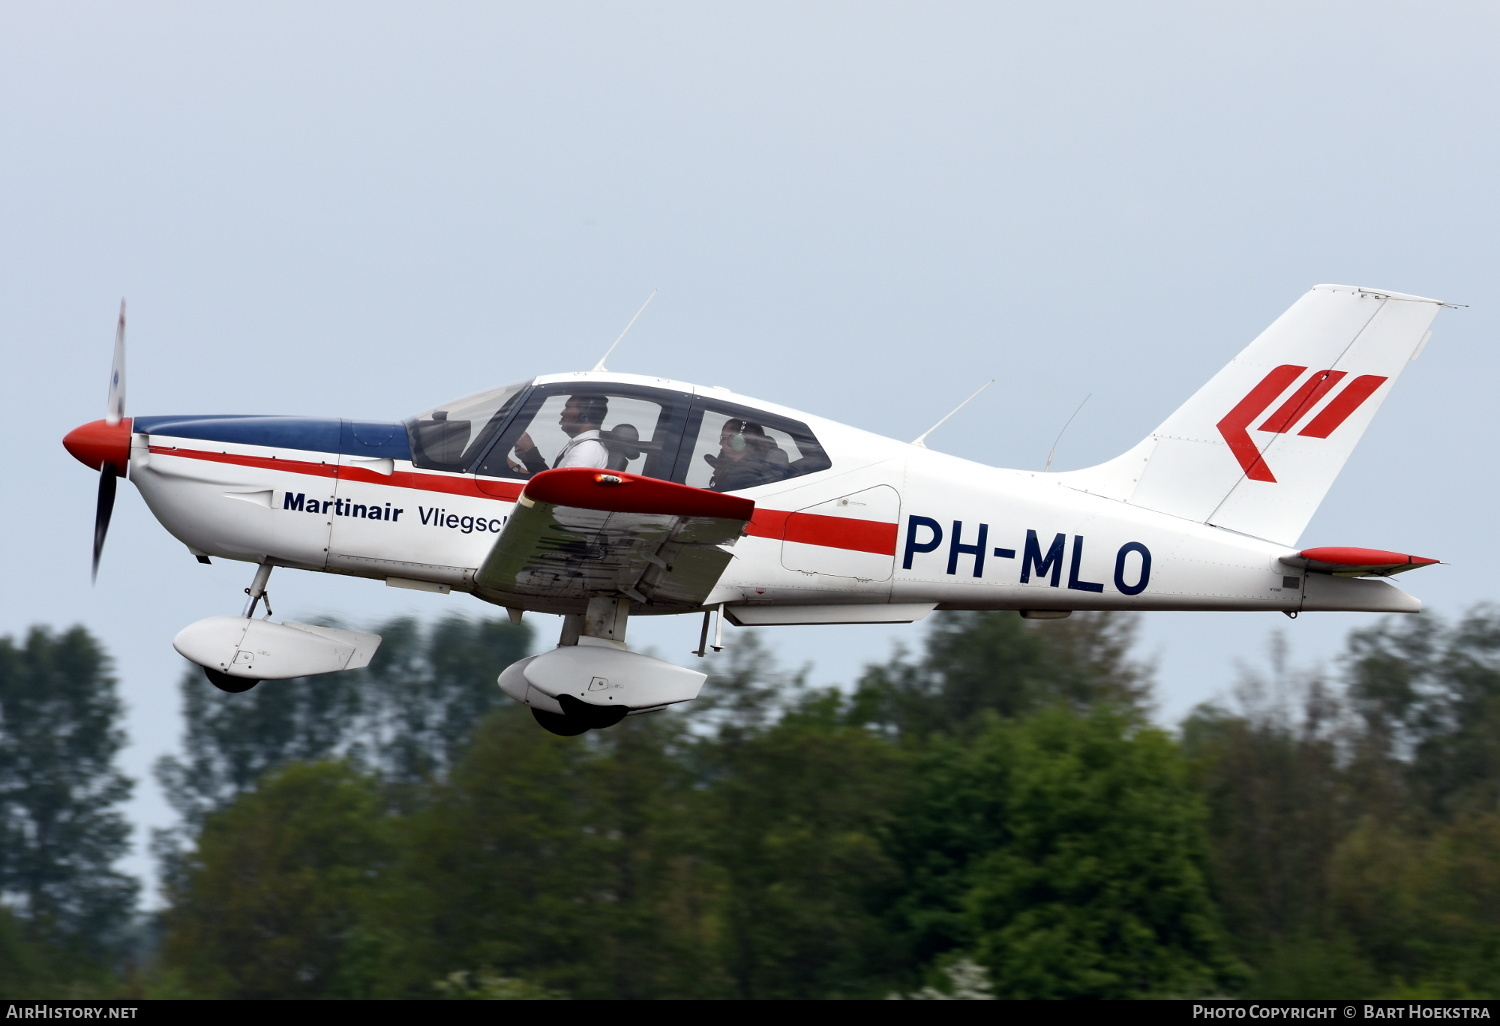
591, 681
577, 717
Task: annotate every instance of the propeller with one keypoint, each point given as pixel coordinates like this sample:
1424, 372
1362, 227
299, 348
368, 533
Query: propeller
114, 407
114, 412
104, 445
102, 511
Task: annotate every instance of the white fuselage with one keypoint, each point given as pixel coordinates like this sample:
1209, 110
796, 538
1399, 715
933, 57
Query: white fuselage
886, 523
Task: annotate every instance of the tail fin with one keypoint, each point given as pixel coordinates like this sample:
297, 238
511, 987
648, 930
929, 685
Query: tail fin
1257, 448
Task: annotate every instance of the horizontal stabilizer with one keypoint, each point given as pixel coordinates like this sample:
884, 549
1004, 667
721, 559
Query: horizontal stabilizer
1343, 561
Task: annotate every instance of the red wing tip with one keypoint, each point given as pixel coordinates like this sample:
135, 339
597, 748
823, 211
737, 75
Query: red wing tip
1347, 556
619, 492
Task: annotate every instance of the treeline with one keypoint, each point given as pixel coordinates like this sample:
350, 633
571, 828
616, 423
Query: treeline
996, 813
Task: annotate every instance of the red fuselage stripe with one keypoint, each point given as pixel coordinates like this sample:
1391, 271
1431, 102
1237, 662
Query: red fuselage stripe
830, 532
808, 528
503, 490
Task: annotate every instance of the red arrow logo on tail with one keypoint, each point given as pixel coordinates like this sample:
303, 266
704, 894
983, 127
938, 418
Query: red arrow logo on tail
1235, 427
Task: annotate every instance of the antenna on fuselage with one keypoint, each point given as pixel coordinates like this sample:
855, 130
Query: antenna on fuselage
921, 440
1053, 450
600, 365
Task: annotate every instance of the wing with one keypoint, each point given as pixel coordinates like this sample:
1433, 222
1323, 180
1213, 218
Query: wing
578, 532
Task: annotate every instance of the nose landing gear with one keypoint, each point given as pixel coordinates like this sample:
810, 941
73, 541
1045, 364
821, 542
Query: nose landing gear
238, 652
224, 682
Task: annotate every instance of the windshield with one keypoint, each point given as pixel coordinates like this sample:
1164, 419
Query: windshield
453, 435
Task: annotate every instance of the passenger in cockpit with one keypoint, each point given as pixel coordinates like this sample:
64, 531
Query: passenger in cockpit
745, 457
581, 420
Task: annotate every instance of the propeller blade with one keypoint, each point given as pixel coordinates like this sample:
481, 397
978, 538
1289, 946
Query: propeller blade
114, 408
102, 512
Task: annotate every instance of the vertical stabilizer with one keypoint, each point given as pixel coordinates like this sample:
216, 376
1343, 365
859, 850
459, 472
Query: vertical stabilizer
1257, 448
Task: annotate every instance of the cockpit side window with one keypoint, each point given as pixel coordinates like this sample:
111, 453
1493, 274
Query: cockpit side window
735, 447
609, 426
451, 436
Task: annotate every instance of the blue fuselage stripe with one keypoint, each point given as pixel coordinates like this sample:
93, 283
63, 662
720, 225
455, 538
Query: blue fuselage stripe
370, 439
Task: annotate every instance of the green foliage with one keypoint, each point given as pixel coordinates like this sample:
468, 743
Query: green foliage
272, 901
23, 969
1278, 801
793, 820
552, 861
1429, 695
963, 980
485, 986
60, 826
979, 662
1066, 852
406, 717
996, 808
1353, 835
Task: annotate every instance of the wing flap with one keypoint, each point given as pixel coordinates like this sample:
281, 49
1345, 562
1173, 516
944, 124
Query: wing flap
578, 532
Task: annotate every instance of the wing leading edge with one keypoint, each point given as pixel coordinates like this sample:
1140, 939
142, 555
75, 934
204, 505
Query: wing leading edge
577, 533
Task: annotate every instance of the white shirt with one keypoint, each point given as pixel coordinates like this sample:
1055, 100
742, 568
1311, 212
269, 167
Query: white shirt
583, 450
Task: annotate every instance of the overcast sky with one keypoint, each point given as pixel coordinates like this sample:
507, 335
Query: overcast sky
863, 210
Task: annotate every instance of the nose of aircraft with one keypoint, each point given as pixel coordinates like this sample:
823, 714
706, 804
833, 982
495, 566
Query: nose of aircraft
99, 444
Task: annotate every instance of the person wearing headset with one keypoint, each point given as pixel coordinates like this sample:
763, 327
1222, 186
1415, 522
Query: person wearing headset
581, 420
741, 461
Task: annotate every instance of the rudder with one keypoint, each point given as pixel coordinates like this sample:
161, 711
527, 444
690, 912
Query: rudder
1256, 448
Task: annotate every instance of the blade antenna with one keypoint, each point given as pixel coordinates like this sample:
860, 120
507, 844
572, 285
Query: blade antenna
1052, 451
921, 440
600, 365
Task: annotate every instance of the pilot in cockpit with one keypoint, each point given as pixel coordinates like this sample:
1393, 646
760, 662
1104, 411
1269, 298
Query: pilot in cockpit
581, 420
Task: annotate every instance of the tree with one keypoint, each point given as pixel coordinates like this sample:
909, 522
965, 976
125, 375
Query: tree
724, 851
548, 860
406, 717
61, 829
792, 818
996, 661
1429, 696
23, 969
273, 901
1065, 852
1273, 775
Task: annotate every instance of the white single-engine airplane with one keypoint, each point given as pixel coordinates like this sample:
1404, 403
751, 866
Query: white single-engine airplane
600, 496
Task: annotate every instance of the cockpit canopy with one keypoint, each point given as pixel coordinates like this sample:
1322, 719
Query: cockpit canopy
521, 429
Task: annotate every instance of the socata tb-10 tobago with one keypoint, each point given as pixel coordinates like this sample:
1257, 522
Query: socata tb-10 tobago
601, 496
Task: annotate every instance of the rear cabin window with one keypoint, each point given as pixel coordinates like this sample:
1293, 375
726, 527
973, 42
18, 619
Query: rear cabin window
735, 447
